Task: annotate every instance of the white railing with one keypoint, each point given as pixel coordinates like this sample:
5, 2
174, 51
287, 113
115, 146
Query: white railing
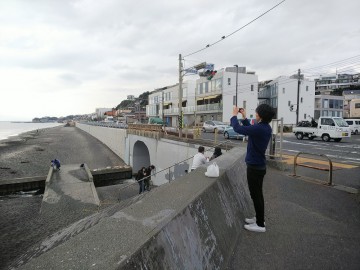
209, 107
198, 108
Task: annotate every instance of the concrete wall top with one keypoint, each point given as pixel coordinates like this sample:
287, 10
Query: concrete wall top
114, 138
190, 223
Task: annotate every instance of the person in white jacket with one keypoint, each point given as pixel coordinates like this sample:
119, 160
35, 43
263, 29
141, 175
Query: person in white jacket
199, 158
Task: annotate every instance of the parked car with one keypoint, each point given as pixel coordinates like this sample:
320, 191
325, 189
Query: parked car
229, 133
212, 125
354, 125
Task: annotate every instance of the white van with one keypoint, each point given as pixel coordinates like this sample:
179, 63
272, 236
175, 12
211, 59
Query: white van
354, 125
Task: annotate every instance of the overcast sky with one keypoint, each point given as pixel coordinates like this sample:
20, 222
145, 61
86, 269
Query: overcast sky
69, 57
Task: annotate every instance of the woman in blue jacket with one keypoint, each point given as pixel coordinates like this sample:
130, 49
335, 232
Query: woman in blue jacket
258, 139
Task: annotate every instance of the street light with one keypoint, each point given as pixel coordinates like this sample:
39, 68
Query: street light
236, 86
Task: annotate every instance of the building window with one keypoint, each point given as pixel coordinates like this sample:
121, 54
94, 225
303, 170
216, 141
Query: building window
244, 104
304, 115
357, 105
307, 88
331, 103
283, 90
200, 88
252, 87
301, 100
229, 81
206, 86
184, 92
325, 103
218, 84
234, 100
289, 103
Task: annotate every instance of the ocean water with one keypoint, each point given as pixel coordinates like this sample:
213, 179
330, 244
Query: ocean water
9, 129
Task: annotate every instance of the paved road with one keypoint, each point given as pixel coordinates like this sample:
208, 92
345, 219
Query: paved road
346, 151
345, 156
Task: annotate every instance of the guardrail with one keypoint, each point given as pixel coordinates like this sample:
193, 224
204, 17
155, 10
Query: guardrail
105, 124
304, 165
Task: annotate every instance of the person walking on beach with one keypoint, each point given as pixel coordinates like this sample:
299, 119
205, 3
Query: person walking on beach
217, 153
199, 158
259, 137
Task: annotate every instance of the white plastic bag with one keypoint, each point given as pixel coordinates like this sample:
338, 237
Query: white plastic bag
212, 170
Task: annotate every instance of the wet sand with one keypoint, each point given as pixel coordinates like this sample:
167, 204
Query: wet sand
29, 154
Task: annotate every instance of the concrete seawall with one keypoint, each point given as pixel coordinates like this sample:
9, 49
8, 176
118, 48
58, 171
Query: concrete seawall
191, 223
114, 138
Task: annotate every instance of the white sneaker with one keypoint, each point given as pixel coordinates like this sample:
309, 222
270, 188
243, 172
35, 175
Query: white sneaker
250, 220
254, 228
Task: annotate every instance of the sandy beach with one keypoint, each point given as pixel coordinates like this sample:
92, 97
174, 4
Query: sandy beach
29, 154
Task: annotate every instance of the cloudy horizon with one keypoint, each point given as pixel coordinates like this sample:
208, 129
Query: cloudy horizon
59, 58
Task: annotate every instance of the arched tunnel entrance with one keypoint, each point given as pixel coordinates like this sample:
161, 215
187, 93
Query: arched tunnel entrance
141, 156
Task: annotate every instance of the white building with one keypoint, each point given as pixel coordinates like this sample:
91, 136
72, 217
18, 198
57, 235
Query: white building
206, 99
215, 98
101, 111
281, 93
164, 103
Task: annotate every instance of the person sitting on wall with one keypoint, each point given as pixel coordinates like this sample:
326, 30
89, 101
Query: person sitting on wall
217, 153
199, 158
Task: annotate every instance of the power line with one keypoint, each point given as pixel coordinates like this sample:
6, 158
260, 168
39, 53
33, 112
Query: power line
332, 64
224, 37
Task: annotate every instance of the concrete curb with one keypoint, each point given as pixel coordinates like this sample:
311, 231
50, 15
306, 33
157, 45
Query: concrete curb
88, 172
47, 182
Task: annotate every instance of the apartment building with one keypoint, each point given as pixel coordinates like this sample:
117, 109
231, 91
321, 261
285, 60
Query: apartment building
215, 98
281, 94
206, 99
329, 84
164, 103
329, 105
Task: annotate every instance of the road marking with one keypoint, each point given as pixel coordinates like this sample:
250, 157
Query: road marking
289, 159
348, 159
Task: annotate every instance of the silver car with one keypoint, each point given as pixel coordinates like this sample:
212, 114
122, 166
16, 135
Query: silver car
212, 125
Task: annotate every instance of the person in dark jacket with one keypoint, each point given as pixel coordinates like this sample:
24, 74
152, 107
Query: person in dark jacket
217, 153
258, 138
56, 164
140, 178
147, 180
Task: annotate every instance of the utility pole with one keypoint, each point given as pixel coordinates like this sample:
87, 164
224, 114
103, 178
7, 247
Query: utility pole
180, 95
162, 104
236, 86
298, 97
